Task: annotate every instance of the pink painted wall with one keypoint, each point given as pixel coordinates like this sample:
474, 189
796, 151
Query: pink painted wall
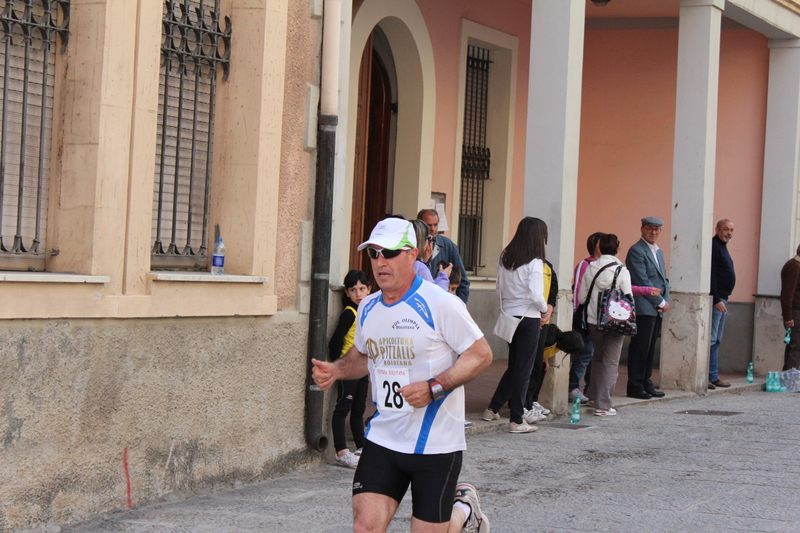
627, 129
741, 130
444, 26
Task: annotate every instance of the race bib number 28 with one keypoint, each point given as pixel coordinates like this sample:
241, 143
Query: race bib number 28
388, 382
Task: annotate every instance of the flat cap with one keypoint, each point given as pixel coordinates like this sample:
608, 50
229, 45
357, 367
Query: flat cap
652, 221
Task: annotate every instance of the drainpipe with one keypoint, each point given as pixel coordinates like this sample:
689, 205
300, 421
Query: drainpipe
316, 431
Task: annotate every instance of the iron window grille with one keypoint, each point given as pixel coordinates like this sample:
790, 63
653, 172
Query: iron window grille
30, 30
194, 48
475, 157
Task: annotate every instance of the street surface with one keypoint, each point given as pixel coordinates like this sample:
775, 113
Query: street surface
652, 468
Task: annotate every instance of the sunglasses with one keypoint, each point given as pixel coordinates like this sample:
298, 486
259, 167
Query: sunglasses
386, 253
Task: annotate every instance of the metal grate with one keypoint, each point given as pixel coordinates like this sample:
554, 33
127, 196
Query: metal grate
564, 425
475, 157
704, 412
30, 29
194, 47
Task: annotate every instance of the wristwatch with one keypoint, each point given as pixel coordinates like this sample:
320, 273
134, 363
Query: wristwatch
437, 391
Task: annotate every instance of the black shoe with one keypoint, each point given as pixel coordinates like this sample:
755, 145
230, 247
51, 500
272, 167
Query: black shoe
641, 395
656, 393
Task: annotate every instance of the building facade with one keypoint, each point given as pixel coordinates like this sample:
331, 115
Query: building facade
128, 371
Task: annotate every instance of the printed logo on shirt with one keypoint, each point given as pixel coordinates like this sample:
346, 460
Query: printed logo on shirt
393, 351
367, 308
419, 305
405, 323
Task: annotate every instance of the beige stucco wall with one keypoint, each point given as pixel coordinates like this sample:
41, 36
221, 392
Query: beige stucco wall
196, 402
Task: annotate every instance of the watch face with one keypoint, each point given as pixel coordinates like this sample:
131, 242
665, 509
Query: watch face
437, 391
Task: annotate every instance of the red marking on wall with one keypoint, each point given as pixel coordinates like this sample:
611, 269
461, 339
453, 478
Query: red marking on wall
127, 476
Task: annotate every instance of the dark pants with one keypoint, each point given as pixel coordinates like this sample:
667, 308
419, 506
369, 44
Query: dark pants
538, 372
791, 357
578, 364
513, 386
352, 399
641, 353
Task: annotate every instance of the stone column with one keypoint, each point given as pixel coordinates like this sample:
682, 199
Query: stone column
685, 336
779, 200
553, 131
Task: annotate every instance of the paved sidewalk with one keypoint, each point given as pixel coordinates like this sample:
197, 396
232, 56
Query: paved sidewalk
652, 468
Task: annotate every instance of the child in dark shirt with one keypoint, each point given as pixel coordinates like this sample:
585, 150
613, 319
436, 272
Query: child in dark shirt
352, 393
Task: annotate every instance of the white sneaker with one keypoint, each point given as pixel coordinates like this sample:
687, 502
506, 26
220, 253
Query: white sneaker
577, 392
477, 521
513, 427
532, 416
468, 424
348, 459
490, 415
605, 412
545, 411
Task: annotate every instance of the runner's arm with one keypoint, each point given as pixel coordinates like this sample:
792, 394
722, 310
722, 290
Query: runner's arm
471, 363
352, 366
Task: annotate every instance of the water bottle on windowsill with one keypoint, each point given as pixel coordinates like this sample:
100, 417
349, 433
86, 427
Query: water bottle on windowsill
218, 259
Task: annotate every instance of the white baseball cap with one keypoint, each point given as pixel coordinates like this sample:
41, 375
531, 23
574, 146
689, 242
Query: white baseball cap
392, 234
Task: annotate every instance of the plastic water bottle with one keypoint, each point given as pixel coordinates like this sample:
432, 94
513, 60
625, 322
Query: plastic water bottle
771, 379
749, 372
218, 259
575, 415
787, 338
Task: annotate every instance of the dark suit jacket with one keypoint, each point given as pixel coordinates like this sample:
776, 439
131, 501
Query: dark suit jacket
645, 272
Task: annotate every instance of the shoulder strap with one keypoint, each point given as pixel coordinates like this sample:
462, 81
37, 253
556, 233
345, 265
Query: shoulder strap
589, 295
616, 273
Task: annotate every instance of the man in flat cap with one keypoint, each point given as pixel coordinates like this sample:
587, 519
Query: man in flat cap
645, 261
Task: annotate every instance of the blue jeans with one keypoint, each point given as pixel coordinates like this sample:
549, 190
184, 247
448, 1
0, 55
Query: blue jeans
577, 365
717, 327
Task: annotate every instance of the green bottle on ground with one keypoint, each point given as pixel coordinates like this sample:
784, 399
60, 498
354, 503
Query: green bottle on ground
749, 372
575, 416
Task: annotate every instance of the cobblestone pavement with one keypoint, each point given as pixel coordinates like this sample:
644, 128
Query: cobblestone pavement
732, 466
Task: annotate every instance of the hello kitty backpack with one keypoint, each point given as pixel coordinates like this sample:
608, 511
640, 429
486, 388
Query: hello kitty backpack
616, 311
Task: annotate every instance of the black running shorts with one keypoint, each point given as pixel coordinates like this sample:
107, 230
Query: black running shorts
433, 479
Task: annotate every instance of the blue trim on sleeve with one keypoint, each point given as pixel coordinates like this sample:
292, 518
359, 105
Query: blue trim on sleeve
368, 307
418, 303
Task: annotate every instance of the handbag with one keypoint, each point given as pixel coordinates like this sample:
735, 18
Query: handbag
579, 323
506, 326
616, 311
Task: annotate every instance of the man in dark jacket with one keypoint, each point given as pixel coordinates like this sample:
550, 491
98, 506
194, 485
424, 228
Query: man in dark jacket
445, 250
790, 309
723, 279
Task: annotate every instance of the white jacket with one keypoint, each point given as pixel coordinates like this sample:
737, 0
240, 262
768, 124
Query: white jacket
521, 291
602, 283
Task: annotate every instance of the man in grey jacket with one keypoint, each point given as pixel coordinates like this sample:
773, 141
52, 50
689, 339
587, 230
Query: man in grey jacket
645, 261
445, 250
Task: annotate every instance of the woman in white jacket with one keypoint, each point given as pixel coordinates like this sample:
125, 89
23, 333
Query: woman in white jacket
607, 347
520, 287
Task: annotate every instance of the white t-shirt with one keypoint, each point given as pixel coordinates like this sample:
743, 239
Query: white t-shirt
413, 340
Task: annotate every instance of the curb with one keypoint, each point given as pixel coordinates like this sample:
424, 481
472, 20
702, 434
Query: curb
738, 385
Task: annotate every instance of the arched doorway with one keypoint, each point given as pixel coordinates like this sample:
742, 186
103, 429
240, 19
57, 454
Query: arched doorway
375, 146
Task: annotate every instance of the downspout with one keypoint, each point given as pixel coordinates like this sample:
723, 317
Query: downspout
316, 432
